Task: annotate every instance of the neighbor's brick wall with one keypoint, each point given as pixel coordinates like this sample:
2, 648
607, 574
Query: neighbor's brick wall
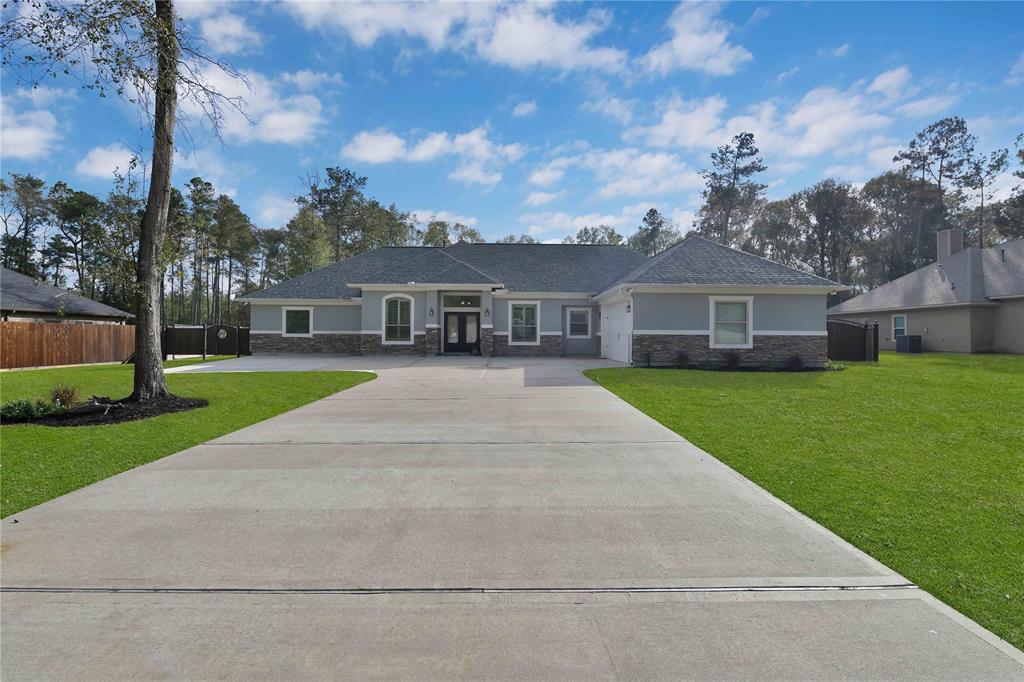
370, 345
768, 351
319, 343
549, 345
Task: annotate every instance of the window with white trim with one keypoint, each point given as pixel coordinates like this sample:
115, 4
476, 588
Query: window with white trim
523, 323
731, 321
297, 321
578, 323
398, 319
899, 325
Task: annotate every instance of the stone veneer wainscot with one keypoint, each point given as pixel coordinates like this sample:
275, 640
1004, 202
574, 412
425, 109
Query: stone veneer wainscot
768, 351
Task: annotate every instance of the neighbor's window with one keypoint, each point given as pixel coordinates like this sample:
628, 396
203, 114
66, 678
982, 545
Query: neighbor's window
731, 323
579, 323
899, 325
524, 322
297, 322
461, 301
398, 319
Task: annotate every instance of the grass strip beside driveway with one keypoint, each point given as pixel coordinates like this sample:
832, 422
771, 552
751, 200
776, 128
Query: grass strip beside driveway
917, 460
38, 463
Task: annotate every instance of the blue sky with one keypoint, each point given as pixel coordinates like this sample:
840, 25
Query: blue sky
543, 118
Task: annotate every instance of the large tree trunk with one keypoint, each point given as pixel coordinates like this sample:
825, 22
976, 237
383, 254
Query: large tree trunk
149, 371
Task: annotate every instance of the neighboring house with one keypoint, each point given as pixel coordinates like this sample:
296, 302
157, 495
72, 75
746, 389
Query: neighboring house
24, 299
968, 301
697, 298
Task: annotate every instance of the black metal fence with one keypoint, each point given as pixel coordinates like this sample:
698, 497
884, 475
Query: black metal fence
849, 340
214, 339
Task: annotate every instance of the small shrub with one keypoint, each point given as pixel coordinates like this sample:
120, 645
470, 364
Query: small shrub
833, 366
683, 361
64, 395
24, 409
794, 362
732, 360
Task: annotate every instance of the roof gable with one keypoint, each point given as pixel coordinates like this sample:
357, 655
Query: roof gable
698, 261
972, 275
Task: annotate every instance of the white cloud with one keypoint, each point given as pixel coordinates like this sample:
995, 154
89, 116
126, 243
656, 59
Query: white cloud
625, 220
687, 124
42, 95
307, 79
551, 172
615, 108
527, 108
518, 35
827, 118
630, 172
541, 198
891, 83
525, 35
423, 216
700, 42
228, 33
1016, 74
787, 74
377, 146
927, 106
28, 135
101, 162
211, 165
275, 211
479, 159
269, 114
835, 52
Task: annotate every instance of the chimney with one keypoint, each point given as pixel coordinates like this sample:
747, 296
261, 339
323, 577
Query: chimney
948, 243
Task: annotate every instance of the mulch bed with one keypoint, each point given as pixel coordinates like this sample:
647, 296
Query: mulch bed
102, 410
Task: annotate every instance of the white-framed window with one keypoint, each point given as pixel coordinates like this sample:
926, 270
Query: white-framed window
731, 321
577, 323
524, 323
296, 321
899, 326
397, 318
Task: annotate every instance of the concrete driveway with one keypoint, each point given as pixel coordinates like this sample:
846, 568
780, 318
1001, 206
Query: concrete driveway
457, 518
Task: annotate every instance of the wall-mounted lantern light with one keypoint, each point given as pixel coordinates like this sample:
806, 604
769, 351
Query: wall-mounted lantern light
430, 312
629, 307
487, 312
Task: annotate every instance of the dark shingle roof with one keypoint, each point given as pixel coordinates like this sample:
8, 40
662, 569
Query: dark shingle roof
588, 268
584, 268
970, 276
695, 260
20, 292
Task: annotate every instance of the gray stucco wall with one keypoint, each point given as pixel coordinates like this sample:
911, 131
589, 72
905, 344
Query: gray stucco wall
772, 312
1008, 327
371, 320
326, 318
552, 311
590, 346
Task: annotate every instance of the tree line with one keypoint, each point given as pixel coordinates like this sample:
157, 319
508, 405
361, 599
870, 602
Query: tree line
213, 252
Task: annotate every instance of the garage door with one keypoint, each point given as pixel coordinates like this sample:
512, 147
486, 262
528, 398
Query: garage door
615, 332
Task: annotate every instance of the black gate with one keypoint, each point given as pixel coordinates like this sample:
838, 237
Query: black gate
215, 339
849, 340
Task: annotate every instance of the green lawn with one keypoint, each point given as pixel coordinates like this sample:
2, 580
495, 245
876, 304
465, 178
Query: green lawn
38, 463
917, 460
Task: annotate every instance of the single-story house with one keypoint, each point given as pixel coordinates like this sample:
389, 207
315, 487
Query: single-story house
697, 298
968, 301
24, 299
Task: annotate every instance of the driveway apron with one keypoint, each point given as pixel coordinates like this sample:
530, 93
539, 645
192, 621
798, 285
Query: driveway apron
457, 518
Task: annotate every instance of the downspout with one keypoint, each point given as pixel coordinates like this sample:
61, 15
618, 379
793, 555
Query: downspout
628, 294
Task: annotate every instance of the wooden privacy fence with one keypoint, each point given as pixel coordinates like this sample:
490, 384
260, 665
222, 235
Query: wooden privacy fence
43, 344
849, 340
